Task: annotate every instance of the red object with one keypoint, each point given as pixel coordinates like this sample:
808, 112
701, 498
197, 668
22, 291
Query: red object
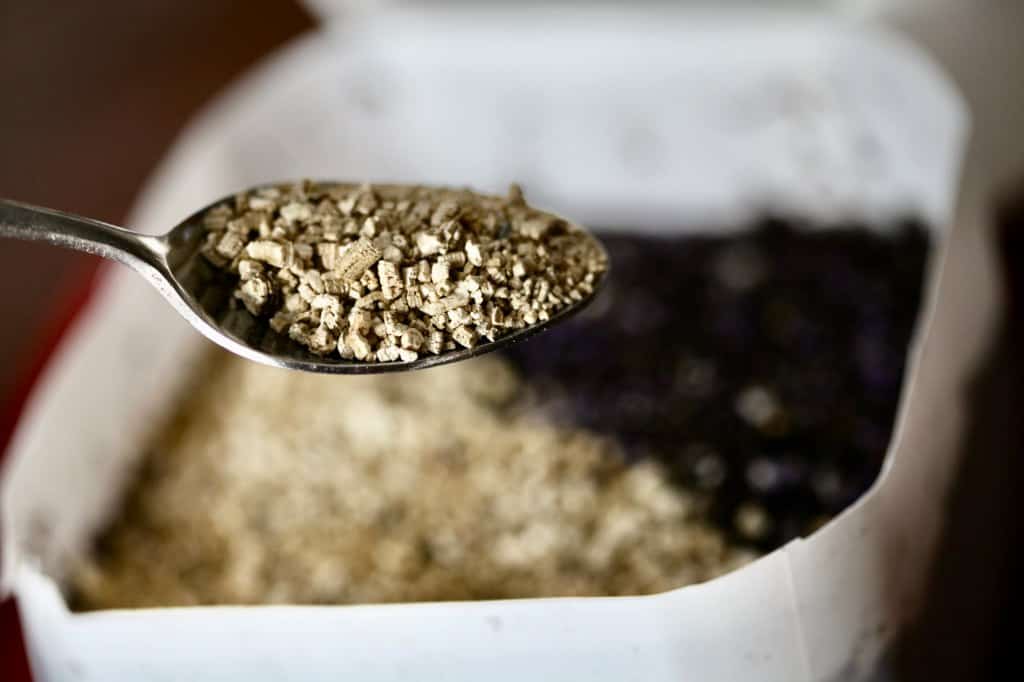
13, 661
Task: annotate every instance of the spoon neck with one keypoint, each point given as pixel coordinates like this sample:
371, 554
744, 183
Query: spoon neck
23, 221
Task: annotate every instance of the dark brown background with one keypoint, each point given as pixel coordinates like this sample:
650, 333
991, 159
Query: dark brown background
91, 95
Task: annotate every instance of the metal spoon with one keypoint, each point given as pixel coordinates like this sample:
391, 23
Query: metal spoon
203, 294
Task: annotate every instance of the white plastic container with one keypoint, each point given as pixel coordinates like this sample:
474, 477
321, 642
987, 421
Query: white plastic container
613, 117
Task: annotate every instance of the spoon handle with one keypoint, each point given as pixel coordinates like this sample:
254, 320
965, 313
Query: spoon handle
32, 223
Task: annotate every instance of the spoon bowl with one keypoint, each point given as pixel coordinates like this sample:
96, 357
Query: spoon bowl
204, 294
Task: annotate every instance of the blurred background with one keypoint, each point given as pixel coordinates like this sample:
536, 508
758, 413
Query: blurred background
93, 96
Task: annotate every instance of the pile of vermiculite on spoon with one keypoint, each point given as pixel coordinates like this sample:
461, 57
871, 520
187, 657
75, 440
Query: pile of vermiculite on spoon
385, 273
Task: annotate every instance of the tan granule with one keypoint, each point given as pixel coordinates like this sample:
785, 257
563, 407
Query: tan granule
434, 257
286, 487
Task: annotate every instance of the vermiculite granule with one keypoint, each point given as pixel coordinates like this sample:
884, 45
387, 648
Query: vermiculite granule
286, 487
386, 272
